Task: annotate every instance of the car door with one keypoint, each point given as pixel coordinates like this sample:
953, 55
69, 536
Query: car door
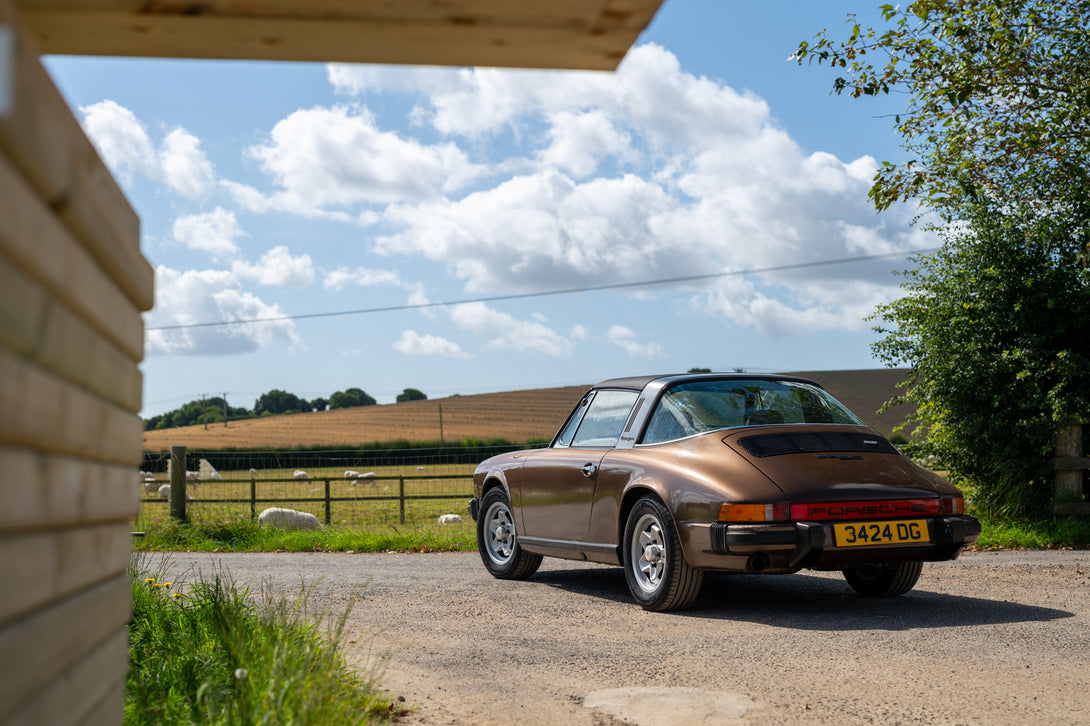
557, 484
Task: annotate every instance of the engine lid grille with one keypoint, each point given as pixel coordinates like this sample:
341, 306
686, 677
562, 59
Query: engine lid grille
815, 442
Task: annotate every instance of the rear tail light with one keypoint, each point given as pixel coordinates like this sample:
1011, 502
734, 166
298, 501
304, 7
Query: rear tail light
953, 505
776, 512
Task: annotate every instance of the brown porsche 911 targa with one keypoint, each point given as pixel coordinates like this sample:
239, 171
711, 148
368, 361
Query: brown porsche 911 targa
669, 476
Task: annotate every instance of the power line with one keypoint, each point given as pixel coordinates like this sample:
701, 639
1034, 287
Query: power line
547, 293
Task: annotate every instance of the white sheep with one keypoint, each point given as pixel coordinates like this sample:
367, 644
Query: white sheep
192, 476
164, 493
351, 474
150, 487
450, 519
300, 474
288, 519
368, 475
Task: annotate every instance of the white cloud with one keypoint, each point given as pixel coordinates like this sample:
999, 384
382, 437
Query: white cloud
213, 232
200, 296
127, 148
647, 173
625, 338
411, 343
342, 277
184, 166
326, 159
506, 332
277, 267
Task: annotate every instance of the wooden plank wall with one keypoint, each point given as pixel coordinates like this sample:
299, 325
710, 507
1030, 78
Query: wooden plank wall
73, 283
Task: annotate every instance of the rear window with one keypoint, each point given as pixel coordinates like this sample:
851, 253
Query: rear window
692, 408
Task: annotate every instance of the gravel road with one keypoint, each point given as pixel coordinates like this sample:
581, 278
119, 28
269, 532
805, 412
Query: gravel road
991, 639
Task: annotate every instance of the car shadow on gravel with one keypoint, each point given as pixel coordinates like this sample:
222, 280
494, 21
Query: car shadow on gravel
807, 602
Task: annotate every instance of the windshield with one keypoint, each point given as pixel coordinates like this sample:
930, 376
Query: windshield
698, 406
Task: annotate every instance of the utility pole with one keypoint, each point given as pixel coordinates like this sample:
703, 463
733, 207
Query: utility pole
204, 411
225, 410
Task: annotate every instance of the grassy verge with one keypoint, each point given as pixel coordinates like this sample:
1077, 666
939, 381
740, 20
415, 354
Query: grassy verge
1059, 533
244, 535
207, 654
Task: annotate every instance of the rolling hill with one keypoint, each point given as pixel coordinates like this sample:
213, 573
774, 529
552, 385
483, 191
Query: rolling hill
513, 415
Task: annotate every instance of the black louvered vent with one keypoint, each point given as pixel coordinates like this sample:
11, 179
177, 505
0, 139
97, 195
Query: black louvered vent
811, 442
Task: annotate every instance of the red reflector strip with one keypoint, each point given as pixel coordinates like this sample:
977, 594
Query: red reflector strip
866, 510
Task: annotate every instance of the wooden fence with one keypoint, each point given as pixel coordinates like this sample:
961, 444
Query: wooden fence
1069, 466
365, 489
179, 506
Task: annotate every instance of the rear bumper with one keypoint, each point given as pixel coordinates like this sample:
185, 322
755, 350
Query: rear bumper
791, 546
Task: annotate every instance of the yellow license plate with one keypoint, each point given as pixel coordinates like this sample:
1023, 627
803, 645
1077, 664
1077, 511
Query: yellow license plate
863, 534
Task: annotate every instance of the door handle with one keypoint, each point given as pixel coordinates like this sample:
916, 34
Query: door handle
589, 470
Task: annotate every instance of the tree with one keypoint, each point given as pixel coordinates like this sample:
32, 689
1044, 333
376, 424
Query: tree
996, 328
996, 325
319, 404
411, 394
350, 398
277, 401
998, 95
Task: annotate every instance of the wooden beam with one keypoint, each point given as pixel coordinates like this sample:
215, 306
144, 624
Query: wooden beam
584, 34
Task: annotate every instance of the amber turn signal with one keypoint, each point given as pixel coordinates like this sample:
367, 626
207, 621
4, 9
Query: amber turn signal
752, 512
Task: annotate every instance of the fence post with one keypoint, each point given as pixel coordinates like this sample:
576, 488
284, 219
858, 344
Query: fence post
401, 497
1069, 446
327, 502
177, 483
253, 494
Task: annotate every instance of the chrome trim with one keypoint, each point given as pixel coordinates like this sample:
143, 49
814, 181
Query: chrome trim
568, 544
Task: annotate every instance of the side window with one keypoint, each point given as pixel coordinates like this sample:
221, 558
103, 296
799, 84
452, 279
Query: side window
563, 440
601, 426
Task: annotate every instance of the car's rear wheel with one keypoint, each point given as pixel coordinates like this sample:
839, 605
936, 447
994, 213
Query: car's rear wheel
884, 580
658, 576
498, 542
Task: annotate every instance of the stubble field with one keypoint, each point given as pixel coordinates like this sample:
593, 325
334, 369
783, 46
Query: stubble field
516, 416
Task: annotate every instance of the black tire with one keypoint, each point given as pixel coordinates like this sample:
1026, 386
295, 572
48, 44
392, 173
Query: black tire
497, 541
884, 580
658, 576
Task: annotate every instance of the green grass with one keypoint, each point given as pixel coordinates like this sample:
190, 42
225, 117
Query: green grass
206, 653
1058, 533
244, 535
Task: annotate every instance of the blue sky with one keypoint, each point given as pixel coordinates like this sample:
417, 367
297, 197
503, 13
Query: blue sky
270, 190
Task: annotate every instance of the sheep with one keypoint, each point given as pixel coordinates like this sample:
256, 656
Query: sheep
450, 519
192, 476
351, 474
300, 474
253, 473
150, 487
365, 475
288, 519
164, 493
368, 475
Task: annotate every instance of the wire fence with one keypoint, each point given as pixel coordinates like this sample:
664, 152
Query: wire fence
363, 489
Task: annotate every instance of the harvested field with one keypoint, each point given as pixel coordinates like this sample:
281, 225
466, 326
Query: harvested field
516, 416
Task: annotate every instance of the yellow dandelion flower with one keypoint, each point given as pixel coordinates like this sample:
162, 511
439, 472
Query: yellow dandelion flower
149, 580
176, 594
167, 584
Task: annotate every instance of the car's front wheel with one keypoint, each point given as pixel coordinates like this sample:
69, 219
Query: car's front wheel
497, 541
658, 576
884, 580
